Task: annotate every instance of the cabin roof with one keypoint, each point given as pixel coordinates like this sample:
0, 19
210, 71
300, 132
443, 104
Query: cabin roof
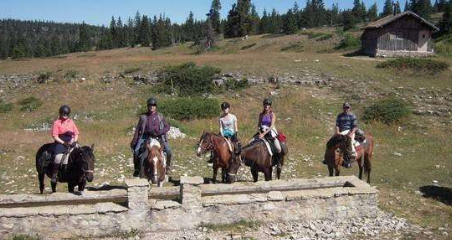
389, 19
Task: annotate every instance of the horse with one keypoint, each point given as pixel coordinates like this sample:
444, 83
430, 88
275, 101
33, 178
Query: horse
80, 167
222, 156
256, 156
154, 168
338, 148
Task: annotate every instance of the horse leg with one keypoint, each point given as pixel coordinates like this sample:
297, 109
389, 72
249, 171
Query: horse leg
70, 187
337, 170
268, 174
367, 166
53, 186
360, 165
223, 175
81, 186
331, 170
255, 174
215, 171
278, 171
41, 176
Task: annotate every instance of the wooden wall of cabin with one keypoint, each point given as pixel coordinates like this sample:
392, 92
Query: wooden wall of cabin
403, 35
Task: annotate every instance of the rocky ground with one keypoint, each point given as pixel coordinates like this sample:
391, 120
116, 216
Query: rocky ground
385, 226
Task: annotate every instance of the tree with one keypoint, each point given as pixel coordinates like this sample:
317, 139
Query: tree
359, 10
290, 23
264, 23
113, 32
349, 20
214, 16
255, 19
144, 32
423, 8
445, 24
397, 9
407, 6
275, 23
84, 39
372, 15
388, 8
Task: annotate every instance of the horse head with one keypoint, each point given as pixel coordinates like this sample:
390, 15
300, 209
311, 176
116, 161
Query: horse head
341, 143
156, 163
205, 144
234, 166
85, 156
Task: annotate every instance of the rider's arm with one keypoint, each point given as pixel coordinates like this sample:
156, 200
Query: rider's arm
166, 127
354, 126
236, 125
221, 128
58, 140
337, 125
76, 133
137, 133
337, 130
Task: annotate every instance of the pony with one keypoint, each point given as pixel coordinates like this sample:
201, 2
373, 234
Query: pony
222, 156
256, 156
154, 168
338, 148
79, 169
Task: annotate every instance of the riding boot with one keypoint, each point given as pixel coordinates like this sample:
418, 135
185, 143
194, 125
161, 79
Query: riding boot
168, 164
55, 168
136, 165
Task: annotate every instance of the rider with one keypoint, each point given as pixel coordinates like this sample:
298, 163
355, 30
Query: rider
65, 134
347, 124
151, 125
266, 126
229, 126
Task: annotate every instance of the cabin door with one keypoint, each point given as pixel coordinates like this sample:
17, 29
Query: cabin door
424, 37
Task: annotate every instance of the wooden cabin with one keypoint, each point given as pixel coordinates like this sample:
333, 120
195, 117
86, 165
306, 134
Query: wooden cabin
402, 35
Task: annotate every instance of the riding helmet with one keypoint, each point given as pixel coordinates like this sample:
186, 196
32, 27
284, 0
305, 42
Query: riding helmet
267, 101
65, 110
152, 102
225, 105
346, 105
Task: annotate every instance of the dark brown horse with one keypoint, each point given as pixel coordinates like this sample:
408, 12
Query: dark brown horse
155, 165
338, 148
256, 156
222, 156
80, 167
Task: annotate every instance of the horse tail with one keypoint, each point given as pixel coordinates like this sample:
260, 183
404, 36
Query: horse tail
368, 154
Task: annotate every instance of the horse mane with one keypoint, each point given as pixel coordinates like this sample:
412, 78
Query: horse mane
335, 140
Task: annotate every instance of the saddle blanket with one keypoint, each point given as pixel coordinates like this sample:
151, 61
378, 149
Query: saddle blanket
229, 144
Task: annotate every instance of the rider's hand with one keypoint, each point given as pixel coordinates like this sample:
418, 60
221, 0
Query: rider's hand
74, 144
66, 144
261, 135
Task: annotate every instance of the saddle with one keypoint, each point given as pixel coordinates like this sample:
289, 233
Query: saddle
230, 145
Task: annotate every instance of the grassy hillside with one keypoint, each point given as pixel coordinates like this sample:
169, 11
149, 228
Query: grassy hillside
409, 155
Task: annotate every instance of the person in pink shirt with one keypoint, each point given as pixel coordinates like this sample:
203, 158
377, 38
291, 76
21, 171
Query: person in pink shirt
65, 133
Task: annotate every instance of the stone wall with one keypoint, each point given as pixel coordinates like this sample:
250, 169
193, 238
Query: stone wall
195, 205
391, 54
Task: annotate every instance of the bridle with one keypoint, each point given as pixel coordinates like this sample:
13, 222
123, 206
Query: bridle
210, 146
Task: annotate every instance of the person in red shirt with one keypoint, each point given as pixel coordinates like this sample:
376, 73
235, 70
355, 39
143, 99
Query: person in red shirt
65, 133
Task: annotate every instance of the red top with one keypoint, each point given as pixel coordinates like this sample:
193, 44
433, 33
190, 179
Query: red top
62, 126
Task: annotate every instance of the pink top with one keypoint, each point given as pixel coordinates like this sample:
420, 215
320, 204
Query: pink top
62, 126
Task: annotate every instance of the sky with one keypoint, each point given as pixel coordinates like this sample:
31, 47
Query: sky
99, 12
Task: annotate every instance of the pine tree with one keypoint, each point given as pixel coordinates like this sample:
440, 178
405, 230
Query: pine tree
397, 9
387, 8
113, 32
255, 20
264, 22
84, 38
232, 22
214, 16
290, 23
275, 23
349, 20
359, 10
423, 8
373, 12
144, 33
245, 22
445, 24
334, 14
407, 6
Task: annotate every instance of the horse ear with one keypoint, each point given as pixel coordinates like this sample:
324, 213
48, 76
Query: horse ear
92, 147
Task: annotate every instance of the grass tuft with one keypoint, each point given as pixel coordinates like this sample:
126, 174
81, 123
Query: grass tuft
295, 47
6, 107
388, 111
30, 104
417, 65
132, 70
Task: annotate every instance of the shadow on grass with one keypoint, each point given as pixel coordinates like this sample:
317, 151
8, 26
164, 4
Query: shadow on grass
357, 53
441, 194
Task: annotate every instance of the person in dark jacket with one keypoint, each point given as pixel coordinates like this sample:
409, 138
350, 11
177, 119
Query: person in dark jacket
150, 125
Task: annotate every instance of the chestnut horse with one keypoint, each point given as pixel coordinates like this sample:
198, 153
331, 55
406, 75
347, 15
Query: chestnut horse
338, 147
154, 168
222, 156
80, 167
256, 156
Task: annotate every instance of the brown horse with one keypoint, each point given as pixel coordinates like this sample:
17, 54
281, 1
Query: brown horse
154, 168
338, 148
256, 156
80, 167
222, 156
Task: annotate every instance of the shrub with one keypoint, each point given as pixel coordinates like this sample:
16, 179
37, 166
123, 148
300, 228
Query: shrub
71, 74
25, 237
415, 64
295, 47
5, 107
190, 108
132, 70
324, 37
188, 79
388, 111
232, 84
248, 46
44, 76
30, 104
349, 43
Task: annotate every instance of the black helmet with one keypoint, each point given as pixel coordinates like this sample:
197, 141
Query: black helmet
65, 110
267, 101
225, 105
152, 102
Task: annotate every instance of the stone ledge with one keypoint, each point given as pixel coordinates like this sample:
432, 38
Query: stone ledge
137, 183
50, 211
161, 205
191, 180
234, 199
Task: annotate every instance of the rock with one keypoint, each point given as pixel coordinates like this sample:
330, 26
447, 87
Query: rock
175, 133
397, 154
